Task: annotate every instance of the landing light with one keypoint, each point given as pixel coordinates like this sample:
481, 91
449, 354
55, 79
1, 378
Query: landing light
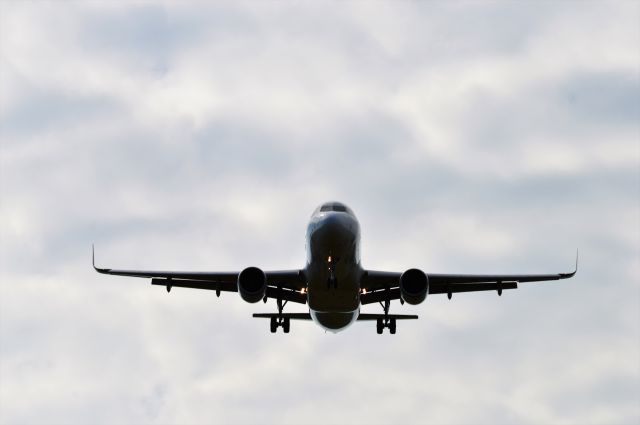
303, 291
364, 291
329, 259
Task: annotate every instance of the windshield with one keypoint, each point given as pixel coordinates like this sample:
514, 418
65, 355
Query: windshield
335, 206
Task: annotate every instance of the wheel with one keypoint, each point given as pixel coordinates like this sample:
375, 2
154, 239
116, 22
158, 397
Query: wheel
274, 325
379, 326
286, 325
392, 326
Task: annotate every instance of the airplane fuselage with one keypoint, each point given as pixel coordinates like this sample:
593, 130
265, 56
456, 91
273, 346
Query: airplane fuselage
333, 269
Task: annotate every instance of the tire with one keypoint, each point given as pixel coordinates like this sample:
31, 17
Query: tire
392, 326
274, 325
379, 326
286, 325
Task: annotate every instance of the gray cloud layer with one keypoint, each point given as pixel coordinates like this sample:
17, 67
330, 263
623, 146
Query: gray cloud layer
467, 137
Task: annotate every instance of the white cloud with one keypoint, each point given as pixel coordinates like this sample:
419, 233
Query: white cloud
468, 138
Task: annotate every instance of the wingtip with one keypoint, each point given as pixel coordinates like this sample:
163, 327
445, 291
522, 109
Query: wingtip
575, 270
93, 258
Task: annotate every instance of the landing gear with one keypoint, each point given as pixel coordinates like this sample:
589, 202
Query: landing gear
387, 322
279, 321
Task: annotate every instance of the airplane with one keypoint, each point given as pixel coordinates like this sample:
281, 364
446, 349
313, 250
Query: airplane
333, 282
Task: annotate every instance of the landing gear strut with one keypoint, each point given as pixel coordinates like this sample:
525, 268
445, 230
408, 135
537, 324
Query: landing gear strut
387, 322
279, 321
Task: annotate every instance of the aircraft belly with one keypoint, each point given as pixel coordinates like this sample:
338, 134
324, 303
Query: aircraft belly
325, 297
334, 322
333, 300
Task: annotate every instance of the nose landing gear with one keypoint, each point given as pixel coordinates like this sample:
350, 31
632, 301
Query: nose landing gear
332, 280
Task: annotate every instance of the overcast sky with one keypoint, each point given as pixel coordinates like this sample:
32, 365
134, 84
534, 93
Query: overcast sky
467, 137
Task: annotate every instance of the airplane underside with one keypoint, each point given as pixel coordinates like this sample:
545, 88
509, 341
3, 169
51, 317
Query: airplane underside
334, 322
333, 283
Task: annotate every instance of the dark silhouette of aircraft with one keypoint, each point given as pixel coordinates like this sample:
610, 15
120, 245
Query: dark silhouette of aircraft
333, 283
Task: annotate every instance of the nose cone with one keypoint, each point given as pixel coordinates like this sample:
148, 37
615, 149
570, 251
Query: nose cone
333, 229
335, 222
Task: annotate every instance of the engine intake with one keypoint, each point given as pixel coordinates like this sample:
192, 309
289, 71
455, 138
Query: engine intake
414, 286
252, 284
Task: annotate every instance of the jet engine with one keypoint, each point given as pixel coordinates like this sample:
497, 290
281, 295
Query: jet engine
414, 286
252, 284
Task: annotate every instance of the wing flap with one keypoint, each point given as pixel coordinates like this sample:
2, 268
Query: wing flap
196, 284
271, 292
450, 288
292, 279
436, 278
367, 316
202, 276
292, 316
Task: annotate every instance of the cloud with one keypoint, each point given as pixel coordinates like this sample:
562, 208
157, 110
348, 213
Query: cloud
467, 138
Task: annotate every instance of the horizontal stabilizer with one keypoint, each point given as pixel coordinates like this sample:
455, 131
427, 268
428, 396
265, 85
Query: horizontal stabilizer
365, 316
291, 316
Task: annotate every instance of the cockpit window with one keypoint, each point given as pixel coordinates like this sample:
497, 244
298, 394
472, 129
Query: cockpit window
334, 206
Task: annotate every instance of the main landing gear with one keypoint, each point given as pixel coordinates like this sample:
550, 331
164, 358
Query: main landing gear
280, 321
387, 322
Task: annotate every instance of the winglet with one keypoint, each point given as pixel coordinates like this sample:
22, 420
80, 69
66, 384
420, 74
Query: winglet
93, 260
575, 270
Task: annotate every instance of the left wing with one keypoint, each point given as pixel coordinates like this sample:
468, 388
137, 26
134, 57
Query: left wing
284, 284
381, 286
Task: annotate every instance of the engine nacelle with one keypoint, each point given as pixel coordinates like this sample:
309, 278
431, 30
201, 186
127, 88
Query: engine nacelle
414, 286
252, 284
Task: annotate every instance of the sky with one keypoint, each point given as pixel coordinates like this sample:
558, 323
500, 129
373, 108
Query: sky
468, 137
